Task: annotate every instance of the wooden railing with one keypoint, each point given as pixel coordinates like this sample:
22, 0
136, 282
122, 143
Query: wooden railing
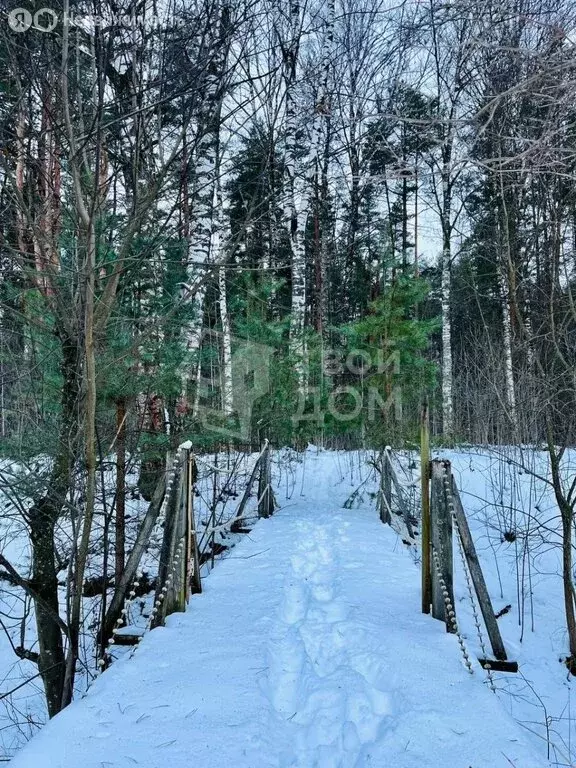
443, 522
391, 494
183, 549
173, 525
447, 522
178, 571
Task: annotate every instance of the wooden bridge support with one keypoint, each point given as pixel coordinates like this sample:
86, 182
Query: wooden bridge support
437, 568
179, 567
425, 525
442, 569
478, 579
193, 580
174, 532
265, 493
389, 480
248, 490
385, 500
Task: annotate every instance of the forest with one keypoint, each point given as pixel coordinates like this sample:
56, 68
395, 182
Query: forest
295, 221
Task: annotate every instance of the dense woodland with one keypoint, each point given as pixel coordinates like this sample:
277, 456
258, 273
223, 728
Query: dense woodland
294, 220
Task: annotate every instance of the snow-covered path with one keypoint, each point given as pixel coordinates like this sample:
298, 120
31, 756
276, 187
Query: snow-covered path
307, 649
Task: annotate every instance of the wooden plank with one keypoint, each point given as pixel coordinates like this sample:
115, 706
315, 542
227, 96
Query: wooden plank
478, 577
212, 524
246, 495
400, 495
385, 491
441, 539
187, 553
180, 568
265, 502
121, 589
425, 492
499, 666
128, 635
126, 639
168, 547
194, 580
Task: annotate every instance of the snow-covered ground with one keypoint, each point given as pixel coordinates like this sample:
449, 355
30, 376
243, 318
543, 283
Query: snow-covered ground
516, 527
22, 705
308, 649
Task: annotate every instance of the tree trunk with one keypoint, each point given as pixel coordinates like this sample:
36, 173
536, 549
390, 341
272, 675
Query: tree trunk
120, 529
204, 245
227, 394
90, 458
508, 363
42, 518
292, 203
568, 583
567, 515
507, 299
320, 168
447, 402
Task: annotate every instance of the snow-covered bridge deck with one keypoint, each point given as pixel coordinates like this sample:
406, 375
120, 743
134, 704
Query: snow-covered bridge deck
306, 649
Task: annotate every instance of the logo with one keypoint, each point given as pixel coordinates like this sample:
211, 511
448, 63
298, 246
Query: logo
226, 407
21, 20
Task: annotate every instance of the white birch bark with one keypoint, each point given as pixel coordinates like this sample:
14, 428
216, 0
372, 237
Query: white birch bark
447, 397
205, 241
292, 201
446, 289
226, 374
320, 157
507, 339
322, 107
506, 285
201, 243
218, 235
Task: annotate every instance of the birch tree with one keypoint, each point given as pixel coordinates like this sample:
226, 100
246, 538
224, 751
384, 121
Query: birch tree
205, 235
320, 165
293, 214
450, 36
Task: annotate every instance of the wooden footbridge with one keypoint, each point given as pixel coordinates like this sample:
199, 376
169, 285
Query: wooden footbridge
186, 544
302, 649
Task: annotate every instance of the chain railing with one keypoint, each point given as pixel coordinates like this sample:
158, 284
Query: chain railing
466, 570
123, 598
438, 522
171, 527
450, 613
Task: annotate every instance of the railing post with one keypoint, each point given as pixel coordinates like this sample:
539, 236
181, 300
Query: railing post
385, 489
391, 479
425, 491
441, 541
245, 496
193, 580
178, 593
265, 496
171, 585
